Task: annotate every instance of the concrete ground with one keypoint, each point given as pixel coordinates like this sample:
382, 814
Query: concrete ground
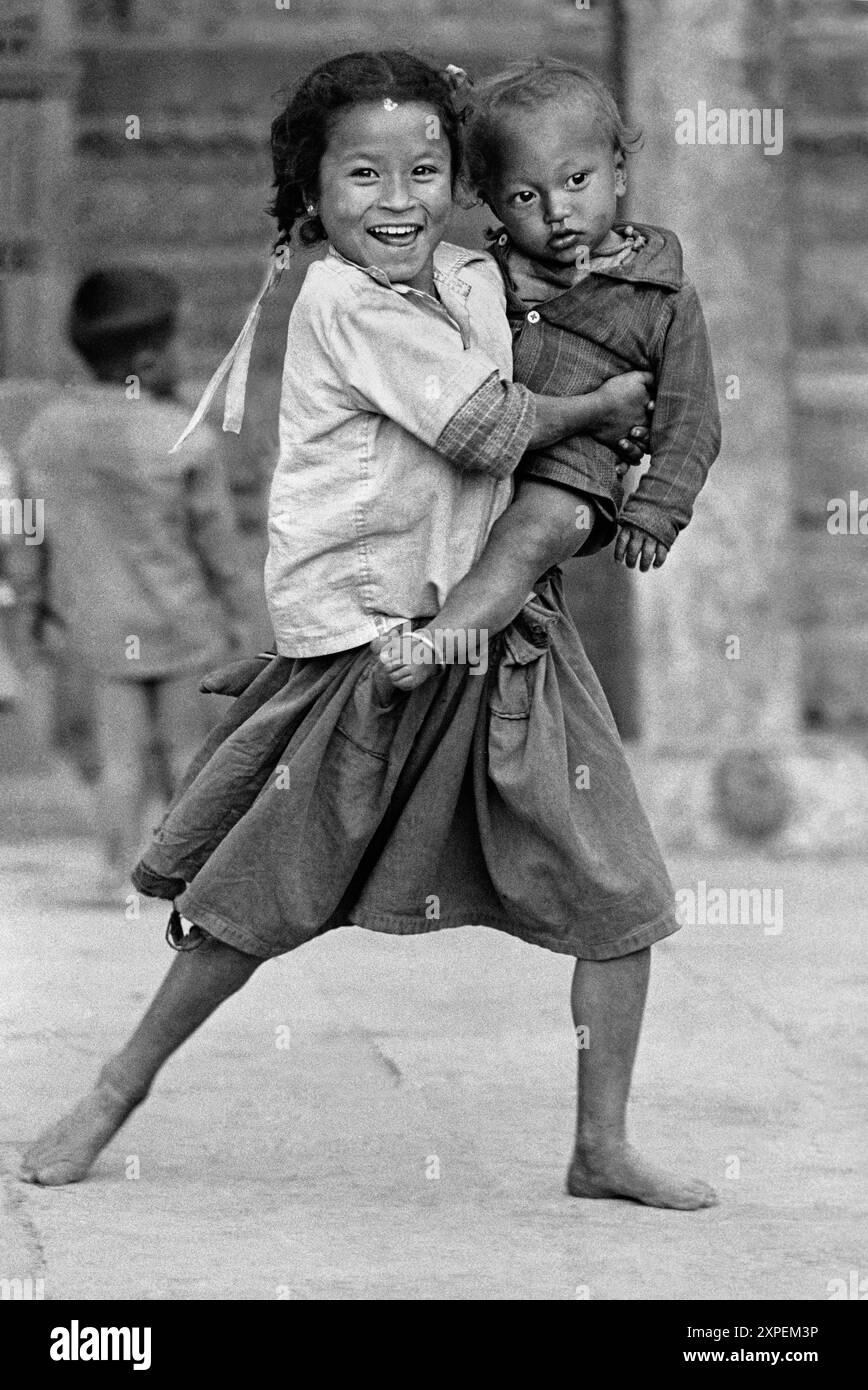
382, 1118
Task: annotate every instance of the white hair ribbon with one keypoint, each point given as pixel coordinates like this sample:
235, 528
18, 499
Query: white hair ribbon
235, 363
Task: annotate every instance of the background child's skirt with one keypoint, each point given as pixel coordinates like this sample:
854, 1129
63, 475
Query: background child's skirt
501, 799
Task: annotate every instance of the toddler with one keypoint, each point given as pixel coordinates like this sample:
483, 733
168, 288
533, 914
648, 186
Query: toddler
587, 297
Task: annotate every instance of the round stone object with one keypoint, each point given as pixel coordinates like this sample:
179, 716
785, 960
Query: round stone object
752, 795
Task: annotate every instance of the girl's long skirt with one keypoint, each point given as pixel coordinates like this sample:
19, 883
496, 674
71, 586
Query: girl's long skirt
502, 799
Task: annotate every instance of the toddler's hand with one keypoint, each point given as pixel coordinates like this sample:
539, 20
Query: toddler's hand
633, 545
402, 662
632, 448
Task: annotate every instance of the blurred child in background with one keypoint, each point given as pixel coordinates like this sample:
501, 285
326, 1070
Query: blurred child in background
138, 585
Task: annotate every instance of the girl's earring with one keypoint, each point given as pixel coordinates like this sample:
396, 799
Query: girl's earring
311, 207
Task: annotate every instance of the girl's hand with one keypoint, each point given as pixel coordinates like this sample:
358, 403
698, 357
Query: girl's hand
633, 545
622, 405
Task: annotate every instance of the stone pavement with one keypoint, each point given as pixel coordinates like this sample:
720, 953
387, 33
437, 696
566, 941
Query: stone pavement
382, 1118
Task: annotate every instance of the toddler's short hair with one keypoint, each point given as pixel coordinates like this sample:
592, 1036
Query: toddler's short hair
120, 310
526, 83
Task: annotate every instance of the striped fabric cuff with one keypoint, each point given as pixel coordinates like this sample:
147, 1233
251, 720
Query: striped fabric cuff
491, 431
652, 520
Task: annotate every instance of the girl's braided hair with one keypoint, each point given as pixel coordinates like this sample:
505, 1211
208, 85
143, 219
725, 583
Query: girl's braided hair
300, 134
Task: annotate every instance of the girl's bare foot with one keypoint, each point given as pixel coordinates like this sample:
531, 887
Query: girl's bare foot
616, 1170
65, 1151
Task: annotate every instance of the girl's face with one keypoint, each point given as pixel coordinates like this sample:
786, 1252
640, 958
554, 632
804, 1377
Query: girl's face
557, 182
385, 189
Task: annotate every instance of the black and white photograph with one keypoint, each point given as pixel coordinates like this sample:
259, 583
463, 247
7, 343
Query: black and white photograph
434, 665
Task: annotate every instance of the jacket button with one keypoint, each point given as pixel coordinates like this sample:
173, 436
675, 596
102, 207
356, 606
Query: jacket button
533, 316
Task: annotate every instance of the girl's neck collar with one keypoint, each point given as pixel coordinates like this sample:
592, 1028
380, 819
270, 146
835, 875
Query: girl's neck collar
382, 277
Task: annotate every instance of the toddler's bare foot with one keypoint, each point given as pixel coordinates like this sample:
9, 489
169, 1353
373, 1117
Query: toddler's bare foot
616, 1170
65, 1151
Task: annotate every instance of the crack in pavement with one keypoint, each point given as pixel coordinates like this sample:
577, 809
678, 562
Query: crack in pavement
388, 1062
791, 1035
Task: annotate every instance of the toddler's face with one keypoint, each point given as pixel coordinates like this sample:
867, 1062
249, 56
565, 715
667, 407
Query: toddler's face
557, 181
385, 192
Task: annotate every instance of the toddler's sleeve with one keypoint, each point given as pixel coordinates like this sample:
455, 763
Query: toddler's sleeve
408, 364
685, 431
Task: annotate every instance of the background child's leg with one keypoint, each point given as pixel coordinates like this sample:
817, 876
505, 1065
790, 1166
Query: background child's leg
608, 999
184, 718
197, 982
123, 728
179, 720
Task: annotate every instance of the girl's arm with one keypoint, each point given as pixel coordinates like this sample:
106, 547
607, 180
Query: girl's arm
391, 361
544, 526
491, 431
606, 413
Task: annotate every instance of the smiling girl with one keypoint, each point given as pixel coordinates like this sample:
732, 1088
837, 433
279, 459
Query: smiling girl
318, 802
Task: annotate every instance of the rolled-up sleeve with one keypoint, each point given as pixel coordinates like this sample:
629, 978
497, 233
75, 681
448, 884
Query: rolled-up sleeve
409, 363
491, 431
685, 433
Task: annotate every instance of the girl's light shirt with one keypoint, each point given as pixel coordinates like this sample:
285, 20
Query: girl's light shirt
368, 523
